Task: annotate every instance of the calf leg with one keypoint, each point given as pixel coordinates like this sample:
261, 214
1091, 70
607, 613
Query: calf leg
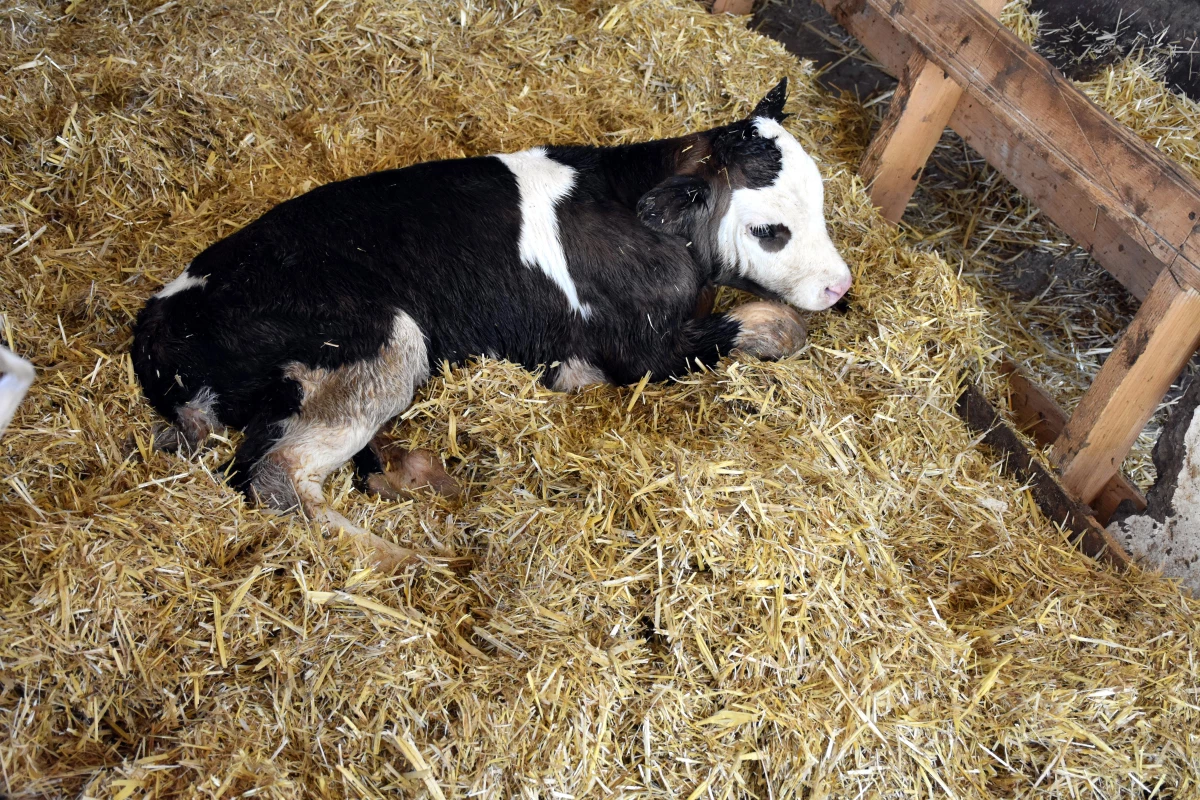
764, 329
301, 461
339, 413
769, 330
194, 421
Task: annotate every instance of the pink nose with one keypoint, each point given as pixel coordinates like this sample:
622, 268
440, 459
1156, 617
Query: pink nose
834, 292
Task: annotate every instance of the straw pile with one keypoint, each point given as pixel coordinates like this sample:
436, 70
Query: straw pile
770, 580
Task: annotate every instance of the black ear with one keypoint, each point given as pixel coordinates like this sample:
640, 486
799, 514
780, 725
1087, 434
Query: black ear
673, 206
771, 106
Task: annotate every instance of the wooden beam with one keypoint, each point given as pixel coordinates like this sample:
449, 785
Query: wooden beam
1089, 535
1105, 231
1147, 359
1040, 416
1132, 208
732, 6
919, 112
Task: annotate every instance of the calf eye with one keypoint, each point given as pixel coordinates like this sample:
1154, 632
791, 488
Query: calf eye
771, 238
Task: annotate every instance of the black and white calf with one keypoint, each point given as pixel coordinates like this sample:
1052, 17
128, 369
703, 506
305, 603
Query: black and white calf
313, 326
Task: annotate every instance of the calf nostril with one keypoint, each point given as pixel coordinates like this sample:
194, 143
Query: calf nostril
836, 291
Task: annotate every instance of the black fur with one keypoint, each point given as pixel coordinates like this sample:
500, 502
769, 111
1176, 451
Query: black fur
319, 279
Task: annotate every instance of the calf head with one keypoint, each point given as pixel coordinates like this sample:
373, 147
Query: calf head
750, 202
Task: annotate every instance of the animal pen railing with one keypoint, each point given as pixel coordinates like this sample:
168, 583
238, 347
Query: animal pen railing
1135, 211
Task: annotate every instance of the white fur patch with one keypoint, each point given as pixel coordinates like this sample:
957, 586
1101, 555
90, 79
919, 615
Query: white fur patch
182, 283
808, 264
575, 373
542, 182
343, 408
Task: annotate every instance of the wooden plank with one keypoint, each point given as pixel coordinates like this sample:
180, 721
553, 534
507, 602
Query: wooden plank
1096, 229
1105, 230
1089, 535
919, 112
1147, 359
1040, 416
1120, 199
732, 6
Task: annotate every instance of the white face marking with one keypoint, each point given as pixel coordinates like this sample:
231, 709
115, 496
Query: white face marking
182, 283
542, 182
807, 270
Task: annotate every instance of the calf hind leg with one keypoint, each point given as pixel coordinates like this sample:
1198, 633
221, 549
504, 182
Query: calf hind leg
194, 421
339, 413
301, 461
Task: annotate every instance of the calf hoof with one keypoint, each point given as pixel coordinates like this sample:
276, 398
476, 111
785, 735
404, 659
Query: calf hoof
769, 330
166, 438
187, 440
385, 557
271, 486
407, 472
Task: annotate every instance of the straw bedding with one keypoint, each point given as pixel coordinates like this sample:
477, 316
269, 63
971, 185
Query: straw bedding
770, 580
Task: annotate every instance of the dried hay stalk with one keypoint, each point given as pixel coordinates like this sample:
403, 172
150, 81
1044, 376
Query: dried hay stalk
770, 580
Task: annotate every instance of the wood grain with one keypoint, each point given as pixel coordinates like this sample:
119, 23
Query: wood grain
919, 112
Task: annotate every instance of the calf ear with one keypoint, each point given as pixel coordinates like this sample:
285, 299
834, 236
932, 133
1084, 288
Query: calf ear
673, 206
771, 106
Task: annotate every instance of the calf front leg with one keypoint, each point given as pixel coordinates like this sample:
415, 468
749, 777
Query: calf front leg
769, 330
763, 329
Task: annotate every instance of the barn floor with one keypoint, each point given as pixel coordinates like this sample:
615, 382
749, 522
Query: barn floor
770, 580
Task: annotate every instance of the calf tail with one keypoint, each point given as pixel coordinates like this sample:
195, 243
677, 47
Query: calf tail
157, 360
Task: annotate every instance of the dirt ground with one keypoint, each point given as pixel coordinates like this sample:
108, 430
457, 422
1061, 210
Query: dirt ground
1081, 36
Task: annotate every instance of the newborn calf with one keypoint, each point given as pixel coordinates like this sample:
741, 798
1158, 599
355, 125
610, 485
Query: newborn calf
312, 327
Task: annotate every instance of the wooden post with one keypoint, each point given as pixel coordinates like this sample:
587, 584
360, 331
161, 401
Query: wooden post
920, 110
1150, 355
1038, 415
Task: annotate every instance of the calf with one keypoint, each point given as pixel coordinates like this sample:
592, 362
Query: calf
313, 326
